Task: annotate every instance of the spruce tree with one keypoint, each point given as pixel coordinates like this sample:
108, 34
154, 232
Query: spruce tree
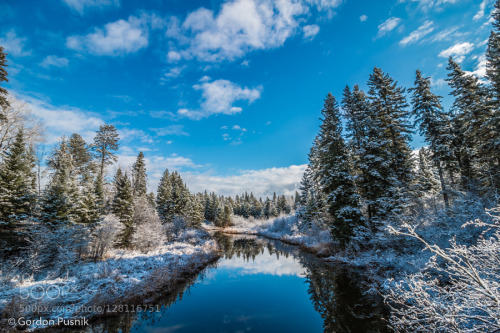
435, 126
61, 196
4, 103
123, 206
81, 156
335, 176
164, 199
470, 110
387, 105
139, 176
17, 182
370, 154
490, 147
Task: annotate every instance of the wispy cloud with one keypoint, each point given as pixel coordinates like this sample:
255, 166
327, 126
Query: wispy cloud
116, 38
427, 5
170, 130
480, 14
218, 97
54, 61
14, 45
310, 31
363, 18
418, 34
81, 5
457, 51
389, 25
64, 120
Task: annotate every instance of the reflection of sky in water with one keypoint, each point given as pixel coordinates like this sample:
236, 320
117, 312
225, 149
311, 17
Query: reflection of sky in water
266, 294
263, 264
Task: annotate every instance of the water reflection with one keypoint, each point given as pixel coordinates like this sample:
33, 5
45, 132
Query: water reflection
261, 285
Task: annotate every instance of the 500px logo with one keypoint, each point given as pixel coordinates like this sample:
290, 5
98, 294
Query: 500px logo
50, 291
47, 291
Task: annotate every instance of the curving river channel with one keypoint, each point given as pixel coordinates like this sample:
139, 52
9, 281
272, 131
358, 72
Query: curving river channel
261, 285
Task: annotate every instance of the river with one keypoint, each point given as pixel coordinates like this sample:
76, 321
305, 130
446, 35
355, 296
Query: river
261, 285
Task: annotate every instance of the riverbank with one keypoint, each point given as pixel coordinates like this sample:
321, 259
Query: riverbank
126, 281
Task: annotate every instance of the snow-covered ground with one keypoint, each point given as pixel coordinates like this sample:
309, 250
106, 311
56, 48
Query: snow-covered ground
89, 288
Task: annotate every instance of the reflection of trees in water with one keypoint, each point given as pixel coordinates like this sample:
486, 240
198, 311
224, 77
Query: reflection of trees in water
337, 297
124, 322
334, 290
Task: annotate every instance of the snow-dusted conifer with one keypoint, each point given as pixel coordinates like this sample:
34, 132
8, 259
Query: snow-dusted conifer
123, 206
335, 176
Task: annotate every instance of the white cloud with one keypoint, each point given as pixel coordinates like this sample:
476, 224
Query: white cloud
170, 130
430, 4
240, 26
173, 56
262, 182
418, 34
310, 31
438, 83
64, 121
81, 5
480, 70
480, 14
363, 18
447, 35
13, 44
457, 51
389, 25
173, 73
119, 37
219, 97
54, 61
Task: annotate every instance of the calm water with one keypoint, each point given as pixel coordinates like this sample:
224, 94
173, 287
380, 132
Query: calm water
261, 286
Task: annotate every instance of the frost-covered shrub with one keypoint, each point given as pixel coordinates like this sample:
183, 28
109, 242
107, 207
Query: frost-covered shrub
459, 289
149, 232
104, 236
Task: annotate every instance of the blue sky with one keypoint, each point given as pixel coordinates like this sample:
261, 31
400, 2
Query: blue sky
227, 92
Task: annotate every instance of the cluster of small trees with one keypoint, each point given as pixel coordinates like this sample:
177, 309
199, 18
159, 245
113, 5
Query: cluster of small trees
370, 177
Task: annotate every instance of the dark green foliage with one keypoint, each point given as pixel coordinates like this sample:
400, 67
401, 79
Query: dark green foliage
123, 206
139, 176
435, 126
104, 147
335, 175
17, 182
4, 103
61, 196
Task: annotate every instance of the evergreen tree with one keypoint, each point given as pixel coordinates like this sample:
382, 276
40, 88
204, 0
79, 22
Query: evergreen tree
139, 176
4, 103
195, 212
471, 110
17, 182
387, 105
105, 144
81, 156
490, 146
335, 176
435, 126
61, 196
123, 206
426, 182
164, 204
